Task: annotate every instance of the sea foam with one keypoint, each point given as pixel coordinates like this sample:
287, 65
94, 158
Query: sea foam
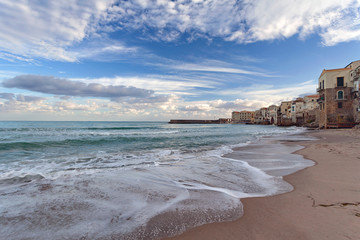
80, 185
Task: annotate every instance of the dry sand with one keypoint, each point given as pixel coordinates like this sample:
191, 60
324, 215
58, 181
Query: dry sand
324, 205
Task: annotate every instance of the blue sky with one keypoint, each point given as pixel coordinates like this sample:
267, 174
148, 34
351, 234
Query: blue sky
160, 60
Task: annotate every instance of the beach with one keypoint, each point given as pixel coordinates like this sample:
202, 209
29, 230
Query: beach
135, 180
325, 202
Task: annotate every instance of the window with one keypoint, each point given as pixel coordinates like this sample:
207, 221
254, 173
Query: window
340, 104
340, 81
340, 95
323, 84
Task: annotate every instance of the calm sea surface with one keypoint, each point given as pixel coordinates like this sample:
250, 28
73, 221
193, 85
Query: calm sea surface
125, 180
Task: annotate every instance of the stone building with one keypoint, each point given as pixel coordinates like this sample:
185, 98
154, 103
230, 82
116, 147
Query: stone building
354, 79
273, 114
262, 116
311, 108
338, 99
258, 117
284, 117
310, 102
297, 111
285, 109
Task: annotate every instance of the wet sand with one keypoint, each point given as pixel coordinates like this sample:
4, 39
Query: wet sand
325, 203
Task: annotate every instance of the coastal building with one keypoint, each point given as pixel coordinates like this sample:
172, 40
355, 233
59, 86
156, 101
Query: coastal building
262, 116
264, 113
311, 109
284, 118
258, 118
297, 111
354, 79
273, 114
338, 101
243, 117
285, 109
225, 120
310, 102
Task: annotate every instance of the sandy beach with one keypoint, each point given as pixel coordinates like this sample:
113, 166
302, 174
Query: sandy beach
325, 202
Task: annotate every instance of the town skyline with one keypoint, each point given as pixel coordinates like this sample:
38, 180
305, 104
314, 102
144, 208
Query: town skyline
159, 60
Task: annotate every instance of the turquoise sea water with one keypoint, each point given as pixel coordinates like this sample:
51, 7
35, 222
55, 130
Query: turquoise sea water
125, 180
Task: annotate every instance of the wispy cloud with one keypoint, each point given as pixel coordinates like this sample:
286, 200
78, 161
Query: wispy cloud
46, 29
164, 84
103, 50
212, 68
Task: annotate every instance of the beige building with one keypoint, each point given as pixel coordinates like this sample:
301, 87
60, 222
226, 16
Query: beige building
338, 102
310, 102
243, 117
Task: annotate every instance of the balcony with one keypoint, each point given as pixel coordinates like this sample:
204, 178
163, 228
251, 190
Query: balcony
319, 89
341, 99
343, 86
355, 75
321, 99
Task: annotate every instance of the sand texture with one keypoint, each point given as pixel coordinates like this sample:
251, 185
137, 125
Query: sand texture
325, 203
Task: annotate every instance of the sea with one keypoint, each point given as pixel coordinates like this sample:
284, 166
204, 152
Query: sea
136, 180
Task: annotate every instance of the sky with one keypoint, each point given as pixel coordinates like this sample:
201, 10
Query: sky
156, 60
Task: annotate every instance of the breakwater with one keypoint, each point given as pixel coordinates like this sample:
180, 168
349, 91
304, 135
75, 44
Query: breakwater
180, 121
195, 121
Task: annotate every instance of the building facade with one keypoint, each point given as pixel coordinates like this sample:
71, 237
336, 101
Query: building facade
338, 99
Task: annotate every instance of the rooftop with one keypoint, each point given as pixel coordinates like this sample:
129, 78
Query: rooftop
334, 70
347, 66
246, 111
313, 96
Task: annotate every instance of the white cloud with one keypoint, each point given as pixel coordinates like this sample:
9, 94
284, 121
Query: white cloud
268, 20
242, 21
159, 107
72, 106
55, 29
272, 94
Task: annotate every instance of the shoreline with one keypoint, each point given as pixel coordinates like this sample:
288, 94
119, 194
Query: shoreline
325, 202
